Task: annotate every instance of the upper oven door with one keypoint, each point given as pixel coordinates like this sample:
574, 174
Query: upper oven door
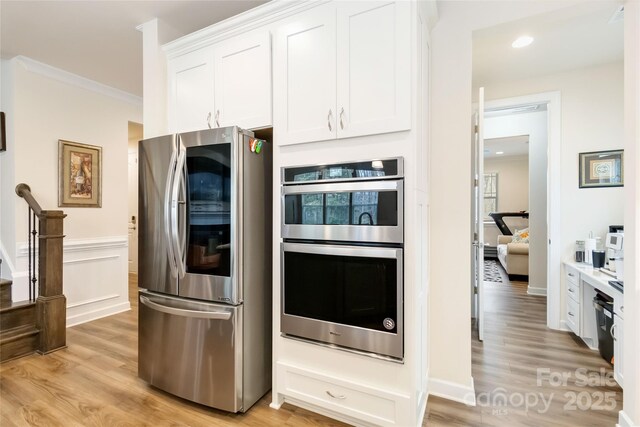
366, 211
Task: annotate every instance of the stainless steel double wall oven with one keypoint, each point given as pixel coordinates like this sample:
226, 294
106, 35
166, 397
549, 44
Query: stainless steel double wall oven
342, 255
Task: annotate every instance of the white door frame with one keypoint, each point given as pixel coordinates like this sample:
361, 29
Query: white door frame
554, 208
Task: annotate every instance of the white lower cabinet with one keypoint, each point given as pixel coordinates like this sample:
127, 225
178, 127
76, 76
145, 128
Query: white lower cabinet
573, 316
618, 349
573, 298
354, 400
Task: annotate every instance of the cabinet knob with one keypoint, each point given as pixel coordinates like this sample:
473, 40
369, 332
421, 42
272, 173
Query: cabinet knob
209, 119
570, 290
217, 118
571, 314
341, 115
330, 128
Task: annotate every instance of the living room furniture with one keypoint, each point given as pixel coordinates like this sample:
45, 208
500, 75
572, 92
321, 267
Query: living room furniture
514, 257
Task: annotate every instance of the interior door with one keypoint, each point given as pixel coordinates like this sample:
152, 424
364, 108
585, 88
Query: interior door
478, 234
133, 211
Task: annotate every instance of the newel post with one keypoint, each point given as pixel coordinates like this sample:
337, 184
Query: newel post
51, 305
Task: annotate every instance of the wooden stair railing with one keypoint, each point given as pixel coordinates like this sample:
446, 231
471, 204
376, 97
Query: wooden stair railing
51, 304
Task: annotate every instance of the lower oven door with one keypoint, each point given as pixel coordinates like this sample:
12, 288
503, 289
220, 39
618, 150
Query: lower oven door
350, 296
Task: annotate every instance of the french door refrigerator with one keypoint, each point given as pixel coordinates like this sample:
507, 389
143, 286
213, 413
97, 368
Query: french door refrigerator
205, 266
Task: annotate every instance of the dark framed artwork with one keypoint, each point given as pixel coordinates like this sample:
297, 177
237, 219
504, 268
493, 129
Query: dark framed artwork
602, 169
79, 174
3, 133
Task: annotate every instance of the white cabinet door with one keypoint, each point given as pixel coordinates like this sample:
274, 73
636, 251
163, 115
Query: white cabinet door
243, 81
374, 67
305, 78
191, 88
618, 349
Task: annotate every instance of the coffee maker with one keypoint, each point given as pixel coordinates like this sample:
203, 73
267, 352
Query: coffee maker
615, 254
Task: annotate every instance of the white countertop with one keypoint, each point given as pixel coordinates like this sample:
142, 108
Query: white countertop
596, 278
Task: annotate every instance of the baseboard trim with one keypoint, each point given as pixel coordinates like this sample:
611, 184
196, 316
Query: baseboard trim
453, 391
532, 290
625, 421
97, 314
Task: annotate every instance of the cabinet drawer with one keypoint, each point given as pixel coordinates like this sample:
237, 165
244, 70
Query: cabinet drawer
573, 316
571, 275
356, 400
573, 291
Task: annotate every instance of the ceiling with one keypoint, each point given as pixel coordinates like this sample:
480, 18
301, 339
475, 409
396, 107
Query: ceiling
576, 37
98, 40
509, 146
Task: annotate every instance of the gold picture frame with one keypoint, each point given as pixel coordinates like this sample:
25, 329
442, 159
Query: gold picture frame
79, 174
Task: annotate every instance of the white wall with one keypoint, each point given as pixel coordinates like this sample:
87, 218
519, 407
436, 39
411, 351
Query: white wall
50, 104
533, 124
450, 266
513, 189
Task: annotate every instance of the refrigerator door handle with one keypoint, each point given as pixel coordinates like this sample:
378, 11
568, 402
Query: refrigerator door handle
216, 315
176, 238
168, 215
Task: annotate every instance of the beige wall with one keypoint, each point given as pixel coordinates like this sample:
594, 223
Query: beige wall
513, 182
46, 105
513, 189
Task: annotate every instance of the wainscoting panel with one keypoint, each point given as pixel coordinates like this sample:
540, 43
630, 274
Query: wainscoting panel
95, 278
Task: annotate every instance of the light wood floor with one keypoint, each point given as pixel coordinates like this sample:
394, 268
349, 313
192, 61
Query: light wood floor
517, 343
94, 381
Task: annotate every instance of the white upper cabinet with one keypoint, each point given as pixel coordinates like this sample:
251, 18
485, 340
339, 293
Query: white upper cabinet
191, 86
343, 70
227, 84
305, 78
374, 60
243, 81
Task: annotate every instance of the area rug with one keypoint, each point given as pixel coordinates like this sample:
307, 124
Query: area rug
492, 271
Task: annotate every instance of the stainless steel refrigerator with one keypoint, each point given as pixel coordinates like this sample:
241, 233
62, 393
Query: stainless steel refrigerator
205, 266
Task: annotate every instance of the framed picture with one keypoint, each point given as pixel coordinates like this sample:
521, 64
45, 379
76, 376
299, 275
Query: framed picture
602, 169
3, 133
79, 174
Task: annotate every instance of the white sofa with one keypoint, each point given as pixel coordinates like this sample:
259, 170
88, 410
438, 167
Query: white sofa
514, 257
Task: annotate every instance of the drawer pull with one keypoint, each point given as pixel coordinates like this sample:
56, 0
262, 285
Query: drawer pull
570, 274
570, 290
341, 397
571, 314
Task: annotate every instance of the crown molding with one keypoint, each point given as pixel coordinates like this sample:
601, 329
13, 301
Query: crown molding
76, 80
236, 25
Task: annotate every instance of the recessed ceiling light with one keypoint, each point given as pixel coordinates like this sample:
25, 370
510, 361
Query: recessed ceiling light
522, 41
499, 152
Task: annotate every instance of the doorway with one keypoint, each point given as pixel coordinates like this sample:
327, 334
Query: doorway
135, 135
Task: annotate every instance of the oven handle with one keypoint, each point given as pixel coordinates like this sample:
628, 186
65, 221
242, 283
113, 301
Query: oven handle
335, 187
340, 250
